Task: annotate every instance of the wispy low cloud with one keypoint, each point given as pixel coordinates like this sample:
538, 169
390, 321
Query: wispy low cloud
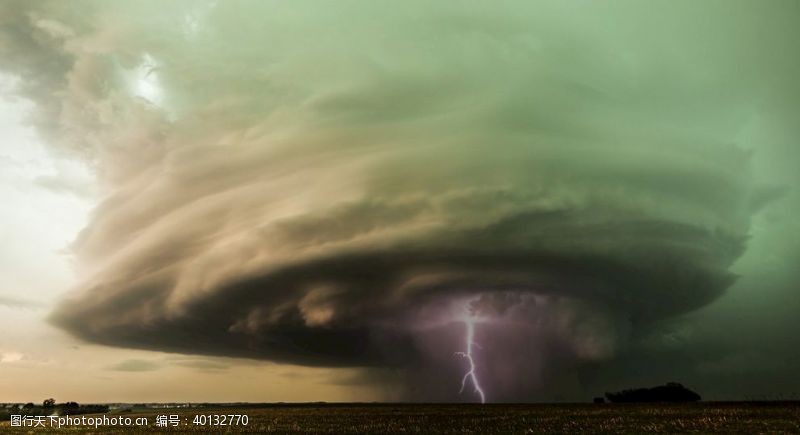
10, 357
135, 365
13, 302
200, 364
145, 365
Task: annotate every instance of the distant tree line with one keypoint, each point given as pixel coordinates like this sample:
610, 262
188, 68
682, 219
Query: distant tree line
50, 407
671, 392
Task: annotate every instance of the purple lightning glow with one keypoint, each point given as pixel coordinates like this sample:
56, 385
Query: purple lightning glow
469, 322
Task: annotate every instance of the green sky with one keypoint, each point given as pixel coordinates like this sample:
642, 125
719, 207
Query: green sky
313, 187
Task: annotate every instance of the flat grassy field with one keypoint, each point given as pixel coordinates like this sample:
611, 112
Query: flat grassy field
733, 417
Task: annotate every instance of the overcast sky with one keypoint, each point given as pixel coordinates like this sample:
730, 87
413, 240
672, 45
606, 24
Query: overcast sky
256, 201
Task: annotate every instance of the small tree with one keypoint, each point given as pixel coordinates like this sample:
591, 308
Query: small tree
49, 403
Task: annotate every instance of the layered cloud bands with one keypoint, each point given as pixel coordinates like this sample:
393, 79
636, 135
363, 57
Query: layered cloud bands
320, 185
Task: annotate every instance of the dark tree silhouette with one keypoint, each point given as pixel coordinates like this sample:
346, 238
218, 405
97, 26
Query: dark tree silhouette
671, 392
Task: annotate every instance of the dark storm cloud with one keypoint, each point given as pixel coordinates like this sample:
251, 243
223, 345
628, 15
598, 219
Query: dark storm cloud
329, 311
283, 187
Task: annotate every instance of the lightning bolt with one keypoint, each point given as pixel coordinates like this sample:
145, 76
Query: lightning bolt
470, 375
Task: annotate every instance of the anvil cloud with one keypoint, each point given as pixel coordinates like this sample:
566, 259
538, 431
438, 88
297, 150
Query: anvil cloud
318, 184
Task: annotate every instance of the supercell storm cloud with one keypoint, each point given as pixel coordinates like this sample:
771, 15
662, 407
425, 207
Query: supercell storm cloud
281, 185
